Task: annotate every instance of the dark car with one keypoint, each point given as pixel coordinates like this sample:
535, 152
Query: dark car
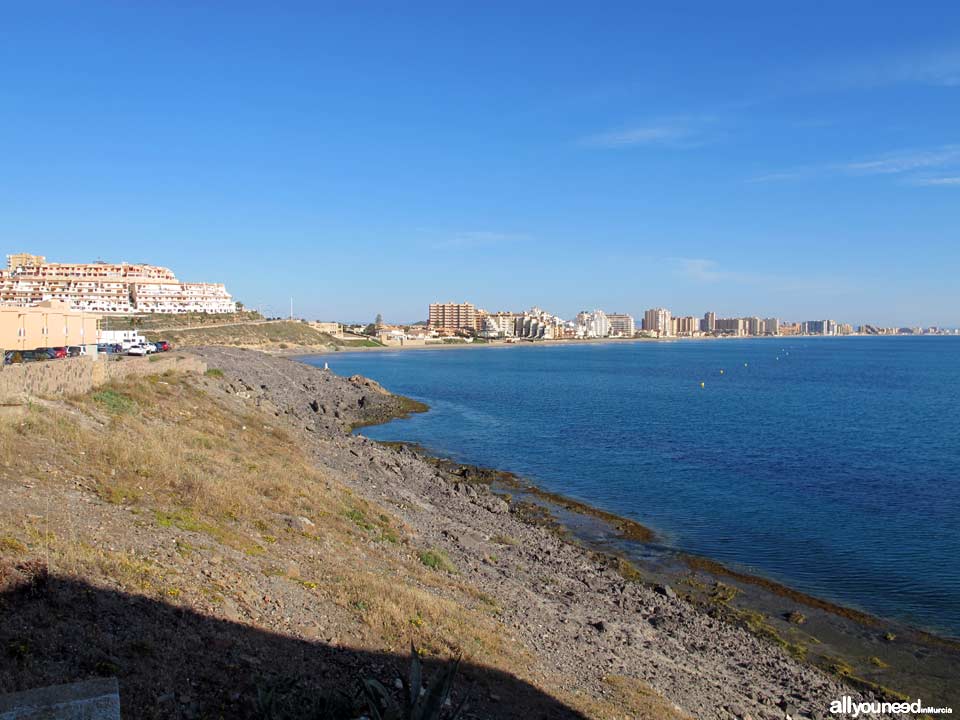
76, 351
44, 353
162, 345
30, 356
13, 357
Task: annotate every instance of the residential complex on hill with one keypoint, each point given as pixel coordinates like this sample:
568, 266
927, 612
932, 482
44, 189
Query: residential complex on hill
108, 288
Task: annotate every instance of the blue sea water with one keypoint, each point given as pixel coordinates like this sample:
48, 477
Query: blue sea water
829, 464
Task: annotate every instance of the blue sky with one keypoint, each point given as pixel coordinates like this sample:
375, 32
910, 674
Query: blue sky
792, 159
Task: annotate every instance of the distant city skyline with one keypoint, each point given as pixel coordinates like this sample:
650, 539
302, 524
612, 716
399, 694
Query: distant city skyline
747, 158
466, 320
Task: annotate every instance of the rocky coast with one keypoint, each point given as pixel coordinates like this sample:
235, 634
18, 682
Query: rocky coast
230, 545
584, 614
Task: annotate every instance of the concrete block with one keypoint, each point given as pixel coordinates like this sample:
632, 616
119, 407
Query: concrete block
97, 699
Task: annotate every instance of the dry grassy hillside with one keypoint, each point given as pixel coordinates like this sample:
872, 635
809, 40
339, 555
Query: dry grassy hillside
278, 335
148, 321
171, 534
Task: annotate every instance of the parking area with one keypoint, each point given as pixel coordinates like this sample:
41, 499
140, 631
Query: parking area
46, 354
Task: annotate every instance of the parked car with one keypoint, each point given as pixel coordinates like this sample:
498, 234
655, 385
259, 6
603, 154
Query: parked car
29, 356
59, 353
151, 348
162, 346
45, 353
76, 350
13, 357
138, 350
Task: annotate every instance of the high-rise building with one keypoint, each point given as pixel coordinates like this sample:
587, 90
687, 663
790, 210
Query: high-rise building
101, 287
817, 327
622, 325
658, 320
686, 326
594, 324
452, 316
709, 322
732, 326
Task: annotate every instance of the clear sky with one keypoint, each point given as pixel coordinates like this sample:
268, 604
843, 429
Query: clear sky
792, 159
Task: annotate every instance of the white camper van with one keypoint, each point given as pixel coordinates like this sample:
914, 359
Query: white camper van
124, 338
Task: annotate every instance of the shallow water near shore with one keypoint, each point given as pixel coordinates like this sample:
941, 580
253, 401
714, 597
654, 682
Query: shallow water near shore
829, 465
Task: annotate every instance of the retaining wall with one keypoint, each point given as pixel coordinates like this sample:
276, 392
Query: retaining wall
75, 376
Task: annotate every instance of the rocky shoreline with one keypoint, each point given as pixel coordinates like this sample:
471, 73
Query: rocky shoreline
698, 640
889, 658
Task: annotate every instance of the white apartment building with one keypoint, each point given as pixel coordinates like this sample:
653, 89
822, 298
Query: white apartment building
500, 324
592, 324
107, 288
177, 297
537, 324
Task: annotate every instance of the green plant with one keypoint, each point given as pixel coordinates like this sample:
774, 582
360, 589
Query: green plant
437, 560
417, 704
114, 402
214, 372
11, 544
359, 519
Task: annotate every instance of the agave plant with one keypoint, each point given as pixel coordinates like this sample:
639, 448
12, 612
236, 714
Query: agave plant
418, 704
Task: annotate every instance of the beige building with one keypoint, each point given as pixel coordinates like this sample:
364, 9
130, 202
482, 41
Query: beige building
732, 326
52, 323
685, 326
331, 328
622, 324
452, 316
659, 321
101, 287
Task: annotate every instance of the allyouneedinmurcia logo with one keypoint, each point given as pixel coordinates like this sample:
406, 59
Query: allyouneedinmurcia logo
847, 706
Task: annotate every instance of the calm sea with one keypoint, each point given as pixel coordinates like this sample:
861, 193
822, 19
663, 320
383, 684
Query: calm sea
829, 464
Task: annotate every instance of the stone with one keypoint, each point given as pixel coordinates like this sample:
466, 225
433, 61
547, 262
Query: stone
498, 506
300, 523
665, 590
90, 700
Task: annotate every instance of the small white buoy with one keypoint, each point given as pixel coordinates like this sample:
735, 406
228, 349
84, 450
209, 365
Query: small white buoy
326, 367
